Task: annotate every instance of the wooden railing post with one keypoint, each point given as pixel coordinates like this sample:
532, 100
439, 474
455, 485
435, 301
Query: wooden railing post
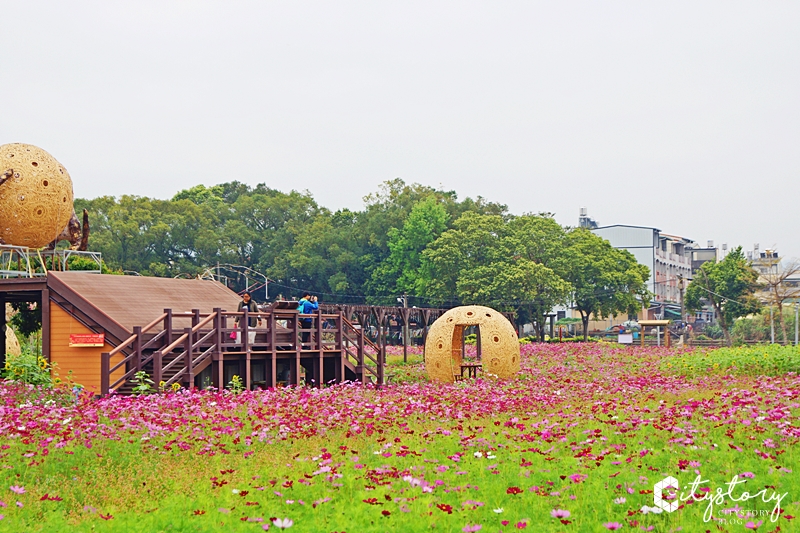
273, 351
321, 373
188, 356
245, 326
381, 365
319, 329
361, 335
339, 346
137, 348
158, 363
105, 378
216, 354
167, 328
195, 317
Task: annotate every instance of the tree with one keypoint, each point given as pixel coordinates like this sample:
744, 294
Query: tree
779, 291
605, 281
472, 243
399, 272
507, 265
729, 286
541, 240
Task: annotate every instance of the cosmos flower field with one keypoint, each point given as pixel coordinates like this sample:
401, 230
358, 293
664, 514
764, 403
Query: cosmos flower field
575, 443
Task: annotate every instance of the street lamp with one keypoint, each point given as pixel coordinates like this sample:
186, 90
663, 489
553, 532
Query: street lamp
796, 324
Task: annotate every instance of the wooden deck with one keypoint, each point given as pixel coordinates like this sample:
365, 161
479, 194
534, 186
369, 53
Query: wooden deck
204, 354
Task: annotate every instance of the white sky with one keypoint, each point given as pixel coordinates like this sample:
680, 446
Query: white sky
680, 115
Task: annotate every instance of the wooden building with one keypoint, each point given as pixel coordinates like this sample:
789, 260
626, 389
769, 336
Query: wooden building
105, 328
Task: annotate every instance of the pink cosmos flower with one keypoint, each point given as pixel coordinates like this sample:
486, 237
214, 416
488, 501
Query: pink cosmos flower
748, 475
283, 523
753, 525
612, 525
472, 529
559, 513
17, 489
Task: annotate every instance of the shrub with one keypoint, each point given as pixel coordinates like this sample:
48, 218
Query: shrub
29, 368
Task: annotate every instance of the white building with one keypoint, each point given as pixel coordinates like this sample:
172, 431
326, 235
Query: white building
667, 256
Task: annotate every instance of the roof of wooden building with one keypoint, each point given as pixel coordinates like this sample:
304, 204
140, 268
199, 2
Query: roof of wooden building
137, 300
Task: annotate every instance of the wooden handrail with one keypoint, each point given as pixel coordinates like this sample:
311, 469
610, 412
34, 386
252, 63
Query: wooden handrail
203, 322
154, 323
132, 338
174, 344
122, 346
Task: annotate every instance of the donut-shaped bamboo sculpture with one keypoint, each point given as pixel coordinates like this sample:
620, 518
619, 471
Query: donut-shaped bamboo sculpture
35, 196
499, 343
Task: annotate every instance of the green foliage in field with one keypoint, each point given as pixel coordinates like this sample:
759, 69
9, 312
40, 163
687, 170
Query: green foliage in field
29, 368
764, 360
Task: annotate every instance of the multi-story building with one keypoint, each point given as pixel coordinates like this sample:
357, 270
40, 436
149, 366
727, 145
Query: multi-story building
667, 256
699, 256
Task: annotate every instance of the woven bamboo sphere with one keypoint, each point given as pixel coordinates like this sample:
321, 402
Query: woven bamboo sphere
499, 343
12, 344
35, 196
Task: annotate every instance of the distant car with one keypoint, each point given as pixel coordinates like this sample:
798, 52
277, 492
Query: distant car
622, 328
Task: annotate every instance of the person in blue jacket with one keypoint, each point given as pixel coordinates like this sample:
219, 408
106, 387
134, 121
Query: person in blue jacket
306, 306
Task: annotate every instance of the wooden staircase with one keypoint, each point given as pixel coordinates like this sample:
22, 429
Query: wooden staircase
170, 355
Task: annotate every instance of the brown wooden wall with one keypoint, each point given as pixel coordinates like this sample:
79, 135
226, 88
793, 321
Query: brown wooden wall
84, 362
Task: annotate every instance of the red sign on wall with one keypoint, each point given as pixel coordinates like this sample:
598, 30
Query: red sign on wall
87, 340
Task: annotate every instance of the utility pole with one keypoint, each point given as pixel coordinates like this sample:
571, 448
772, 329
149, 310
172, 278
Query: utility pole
796, 323
771, 326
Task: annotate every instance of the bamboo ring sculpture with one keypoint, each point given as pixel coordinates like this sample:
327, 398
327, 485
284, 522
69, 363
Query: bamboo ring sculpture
35, 196
499, 343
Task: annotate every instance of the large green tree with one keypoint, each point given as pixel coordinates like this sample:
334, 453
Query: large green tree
729, 286
604, 281
508, 265
399, 273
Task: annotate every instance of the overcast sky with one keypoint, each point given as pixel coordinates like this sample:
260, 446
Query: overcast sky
684, 116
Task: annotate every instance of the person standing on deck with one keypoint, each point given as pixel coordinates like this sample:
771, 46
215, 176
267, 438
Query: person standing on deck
306, 306
248, 303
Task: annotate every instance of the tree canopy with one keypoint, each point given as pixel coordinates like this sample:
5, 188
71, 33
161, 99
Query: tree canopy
729, 286
408, 239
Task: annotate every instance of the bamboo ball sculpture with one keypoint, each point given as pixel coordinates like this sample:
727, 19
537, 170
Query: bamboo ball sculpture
499, 343
35, 196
